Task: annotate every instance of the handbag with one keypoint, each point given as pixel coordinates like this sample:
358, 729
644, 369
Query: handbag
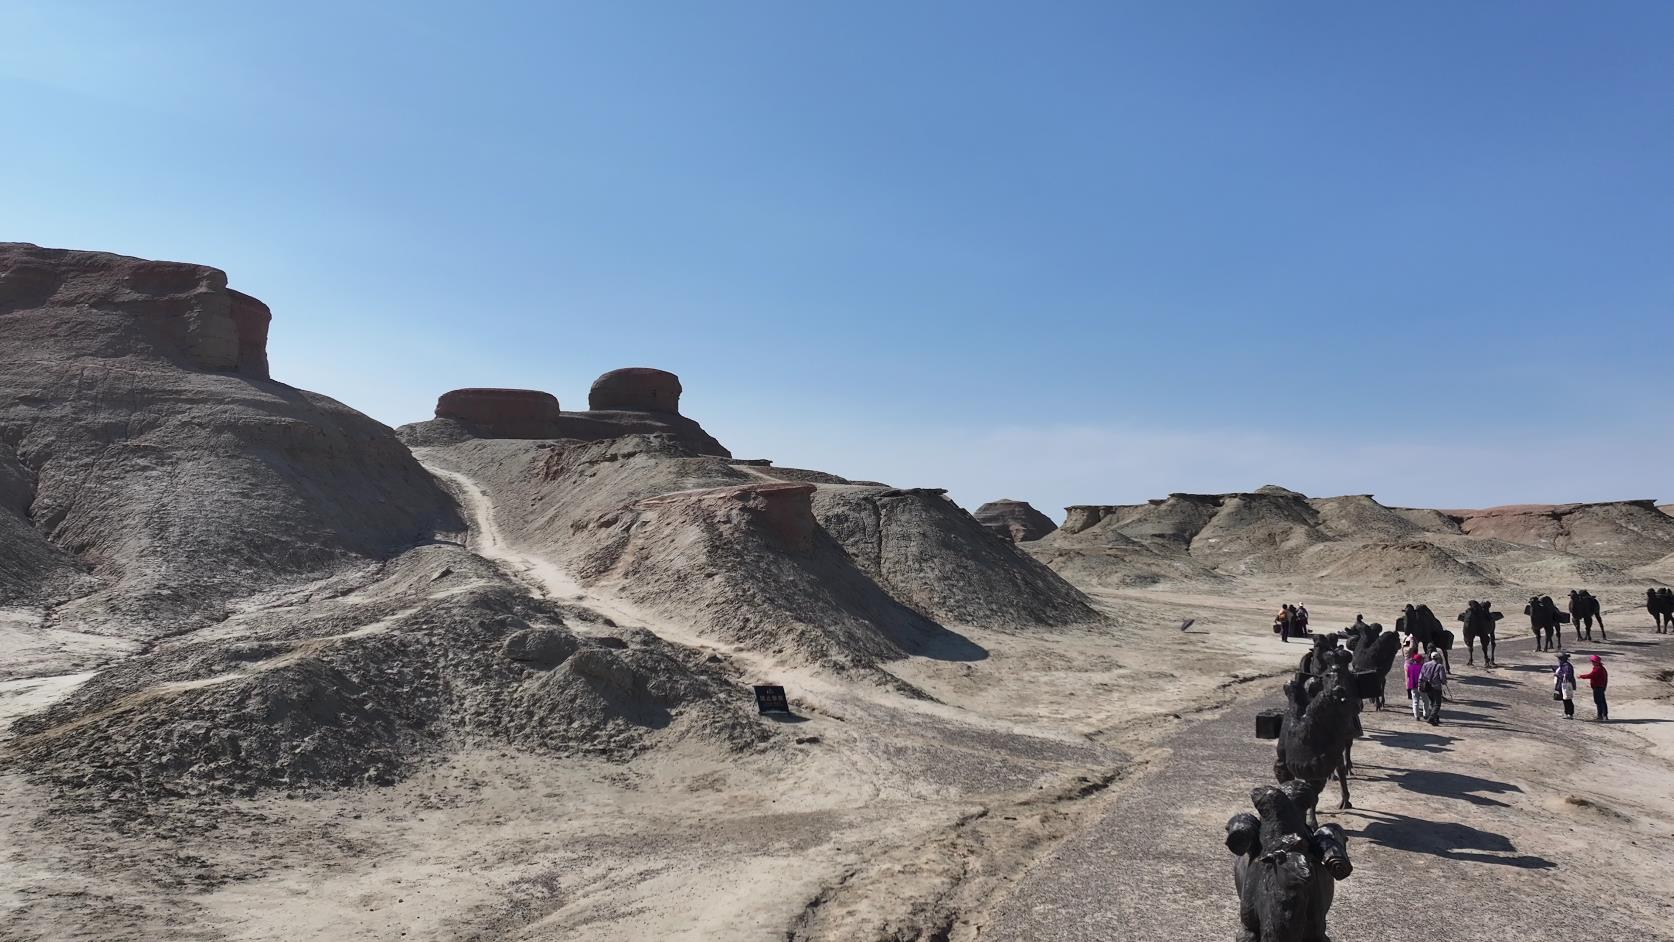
1557, 694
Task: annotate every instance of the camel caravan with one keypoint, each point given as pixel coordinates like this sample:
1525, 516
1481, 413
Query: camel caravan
1285, 864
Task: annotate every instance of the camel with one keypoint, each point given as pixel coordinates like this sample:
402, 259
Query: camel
1543, 619
1374, 651
1425, 628
1479, 622
1285, 867
1660, 603
1318, 732
1583, 608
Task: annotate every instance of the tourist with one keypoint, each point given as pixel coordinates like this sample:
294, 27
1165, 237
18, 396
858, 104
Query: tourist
1432, 683
1599, 678
1564, 678
1415, 666
1283, 621
1300, 616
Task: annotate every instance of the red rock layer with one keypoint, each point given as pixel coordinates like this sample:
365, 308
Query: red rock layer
636, 389
502, 413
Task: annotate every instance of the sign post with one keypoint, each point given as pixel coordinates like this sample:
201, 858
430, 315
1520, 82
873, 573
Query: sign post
770, 698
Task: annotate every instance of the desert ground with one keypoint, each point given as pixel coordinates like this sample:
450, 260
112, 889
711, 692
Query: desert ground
272, 671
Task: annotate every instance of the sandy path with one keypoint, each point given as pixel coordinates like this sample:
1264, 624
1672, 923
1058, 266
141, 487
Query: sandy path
1463, 832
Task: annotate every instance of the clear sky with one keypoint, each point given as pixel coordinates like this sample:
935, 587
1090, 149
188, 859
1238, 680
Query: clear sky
1068, 253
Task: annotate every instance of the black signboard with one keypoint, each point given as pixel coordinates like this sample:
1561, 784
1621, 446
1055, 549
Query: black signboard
770, 698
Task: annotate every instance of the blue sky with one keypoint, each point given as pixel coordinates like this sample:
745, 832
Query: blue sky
1069, 253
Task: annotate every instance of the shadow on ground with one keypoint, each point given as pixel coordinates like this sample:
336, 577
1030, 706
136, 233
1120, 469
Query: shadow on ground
1447, 840
1453, 785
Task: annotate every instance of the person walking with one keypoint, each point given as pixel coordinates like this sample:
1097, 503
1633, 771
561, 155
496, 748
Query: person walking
1599, 678
1432, 683
1564, 679
1415, 666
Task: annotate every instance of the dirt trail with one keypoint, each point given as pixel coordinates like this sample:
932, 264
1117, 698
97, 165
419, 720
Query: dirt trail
546, 578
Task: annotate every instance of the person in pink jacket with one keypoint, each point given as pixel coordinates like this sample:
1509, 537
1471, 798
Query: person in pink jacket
1415, 666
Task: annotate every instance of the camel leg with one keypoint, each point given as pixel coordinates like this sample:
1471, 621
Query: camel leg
1602, 636
1345, 804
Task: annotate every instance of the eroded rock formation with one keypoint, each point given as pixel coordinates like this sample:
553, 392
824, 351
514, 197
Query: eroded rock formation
784, 513
633, 401
144, 450
1015, 520
635, 389
131, 307
502, 413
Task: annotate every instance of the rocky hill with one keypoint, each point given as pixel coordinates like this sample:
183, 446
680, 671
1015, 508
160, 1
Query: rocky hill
784, 561
150, 466
1274, 532
309, 618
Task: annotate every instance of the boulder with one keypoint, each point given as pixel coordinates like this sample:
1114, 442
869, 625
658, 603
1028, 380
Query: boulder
635, 389
1015, 520
539, 647
502, 413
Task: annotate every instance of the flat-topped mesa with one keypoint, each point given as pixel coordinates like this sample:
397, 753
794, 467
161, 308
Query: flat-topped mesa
502, 413
173, 311
636, 389
1015, 520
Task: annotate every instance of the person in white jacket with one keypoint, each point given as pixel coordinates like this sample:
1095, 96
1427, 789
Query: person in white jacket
1563, 678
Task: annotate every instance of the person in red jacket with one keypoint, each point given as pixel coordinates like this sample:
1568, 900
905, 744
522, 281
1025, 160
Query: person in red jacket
1599, 678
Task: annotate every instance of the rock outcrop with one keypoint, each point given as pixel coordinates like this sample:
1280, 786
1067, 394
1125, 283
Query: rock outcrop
635, 389
143, 444
1015, 520
636, 401
502, 413
784, 513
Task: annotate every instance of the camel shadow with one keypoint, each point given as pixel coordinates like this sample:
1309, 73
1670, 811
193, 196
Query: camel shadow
1422, 742
1480, 681
1467, 718
1480, 704
1449, 841
1453, 785
1640, 721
